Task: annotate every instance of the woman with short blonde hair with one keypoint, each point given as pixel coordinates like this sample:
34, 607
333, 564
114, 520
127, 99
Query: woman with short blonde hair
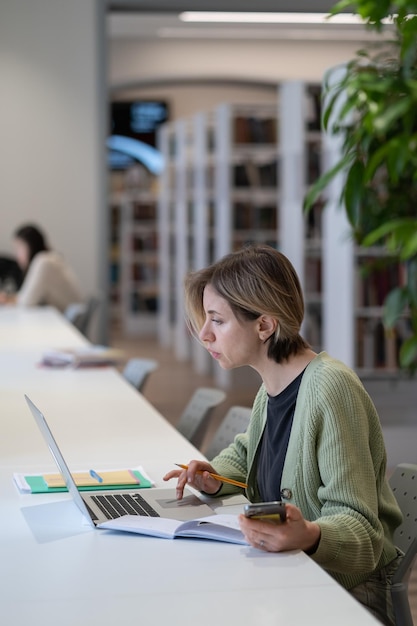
253, 280
314, 440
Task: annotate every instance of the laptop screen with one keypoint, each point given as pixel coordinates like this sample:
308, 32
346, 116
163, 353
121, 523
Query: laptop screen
58, 458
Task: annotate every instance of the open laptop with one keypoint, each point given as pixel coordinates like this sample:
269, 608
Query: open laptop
101, 506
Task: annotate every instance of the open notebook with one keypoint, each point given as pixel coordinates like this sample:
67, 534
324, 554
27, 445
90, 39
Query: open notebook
217, 527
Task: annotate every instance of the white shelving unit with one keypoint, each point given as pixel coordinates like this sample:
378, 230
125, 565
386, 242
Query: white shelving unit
300, 235
246, 205
174, 235
202, 216
139, 292
220, 190
224, 187
206, 209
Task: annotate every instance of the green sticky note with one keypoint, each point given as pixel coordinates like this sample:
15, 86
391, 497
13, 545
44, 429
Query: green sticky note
38, 485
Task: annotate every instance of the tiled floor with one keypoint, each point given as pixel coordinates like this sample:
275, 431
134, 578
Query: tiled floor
172, 384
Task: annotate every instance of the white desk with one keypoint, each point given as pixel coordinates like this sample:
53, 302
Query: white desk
55, 570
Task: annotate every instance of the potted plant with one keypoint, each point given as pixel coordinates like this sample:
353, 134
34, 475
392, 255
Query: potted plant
377, 121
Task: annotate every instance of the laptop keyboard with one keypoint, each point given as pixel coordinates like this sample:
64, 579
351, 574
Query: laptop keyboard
116, 505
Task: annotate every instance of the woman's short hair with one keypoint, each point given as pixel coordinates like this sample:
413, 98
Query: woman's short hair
256, 280
34, 239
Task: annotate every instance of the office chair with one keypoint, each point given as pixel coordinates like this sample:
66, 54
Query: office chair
404, 485
235, 421
194, 420
136, 371
80, 314
11, 276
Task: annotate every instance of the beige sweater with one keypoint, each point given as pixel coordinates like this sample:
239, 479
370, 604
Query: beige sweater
334, 470
49, 281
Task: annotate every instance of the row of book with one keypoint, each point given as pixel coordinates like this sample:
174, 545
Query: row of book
249, 217
250, 174
143, 211
144, 272
146, 242
375, 279
253, 129
378, 347
140, 303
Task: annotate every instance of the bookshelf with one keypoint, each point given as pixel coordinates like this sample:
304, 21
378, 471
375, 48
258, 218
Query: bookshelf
174, 229
245, 176
139, 263
133, 254
218, 192
133, 250
376, 348
116, 188
237, 175
355, 283
300, 162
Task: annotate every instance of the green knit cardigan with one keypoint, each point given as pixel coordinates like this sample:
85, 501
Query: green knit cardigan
334, 470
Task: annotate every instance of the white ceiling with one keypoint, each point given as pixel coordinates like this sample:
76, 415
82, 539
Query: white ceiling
169, 26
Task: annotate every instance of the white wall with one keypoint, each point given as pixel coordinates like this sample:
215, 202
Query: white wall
131, 61
185, 100
50, 150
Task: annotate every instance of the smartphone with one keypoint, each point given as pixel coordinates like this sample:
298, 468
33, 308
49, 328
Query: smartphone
267, 511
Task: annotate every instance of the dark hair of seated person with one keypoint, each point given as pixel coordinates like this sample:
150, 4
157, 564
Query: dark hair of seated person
34, 238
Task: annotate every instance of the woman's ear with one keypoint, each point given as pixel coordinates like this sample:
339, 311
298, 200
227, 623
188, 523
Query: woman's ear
267, 326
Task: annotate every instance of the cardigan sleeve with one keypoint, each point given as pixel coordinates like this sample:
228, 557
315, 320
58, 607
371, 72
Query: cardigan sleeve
231, 462
235, 460
354, 502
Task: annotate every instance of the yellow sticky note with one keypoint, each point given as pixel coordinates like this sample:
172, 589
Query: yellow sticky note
84, 479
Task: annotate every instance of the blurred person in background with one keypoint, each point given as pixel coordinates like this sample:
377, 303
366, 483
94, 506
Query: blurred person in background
47, 277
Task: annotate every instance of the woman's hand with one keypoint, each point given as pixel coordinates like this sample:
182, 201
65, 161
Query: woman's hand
295, 533
7, 298
197, 476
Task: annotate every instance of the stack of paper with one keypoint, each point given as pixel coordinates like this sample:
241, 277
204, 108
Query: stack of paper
82, 357
110, 479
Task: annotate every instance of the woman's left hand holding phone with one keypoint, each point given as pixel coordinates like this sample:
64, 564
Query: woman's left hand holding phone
296, 533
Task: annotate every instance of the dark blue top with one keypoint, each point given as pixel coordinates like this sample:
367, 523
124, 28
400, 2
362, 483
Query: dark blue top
274, 442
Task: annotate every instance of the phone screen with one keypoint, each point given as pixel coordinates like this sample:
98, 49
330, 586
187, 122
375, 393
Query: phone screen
268, 511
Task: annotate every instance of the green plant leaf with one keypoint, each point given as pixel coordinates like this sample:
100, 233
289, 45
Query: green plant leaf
341, 6
411, 265
372, 109
353, 192
400, 227
396, 158
391, 114
375, 161
321, 183
408, 353
394, 306
329, 108
410, 245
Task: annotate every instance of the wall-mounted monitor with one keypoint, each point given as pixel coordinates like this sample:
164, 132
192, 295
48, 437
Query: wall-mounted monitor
138, 120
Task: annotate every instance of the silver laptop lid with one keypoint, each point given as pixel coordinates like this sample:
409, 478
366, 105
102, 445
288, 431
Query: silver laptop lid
58, 458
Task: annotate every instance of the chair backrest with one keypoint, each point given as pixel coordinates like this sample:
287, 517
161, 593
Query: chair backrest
136, 371
403, 482
194, 420
80, 314
234, 422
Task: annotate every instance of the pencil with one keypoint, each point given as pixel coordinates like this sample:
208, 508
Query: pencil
223, 479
